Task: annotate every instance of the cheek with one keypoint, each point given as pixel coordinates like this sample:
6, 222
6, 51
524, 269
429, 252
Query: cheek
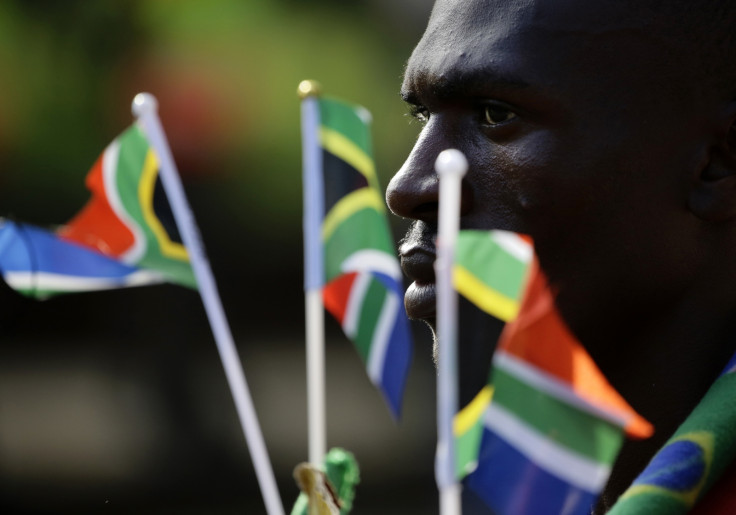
560, 191
610, 227
615, 250
531, 183
512, 185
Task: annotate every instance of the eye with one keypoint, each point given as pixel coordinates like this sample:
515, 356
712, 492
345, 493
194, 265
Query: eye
496, 114
420, 113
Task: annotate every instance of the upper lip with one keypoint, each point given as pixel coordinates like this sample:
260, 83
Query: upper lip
417, 262
417, 252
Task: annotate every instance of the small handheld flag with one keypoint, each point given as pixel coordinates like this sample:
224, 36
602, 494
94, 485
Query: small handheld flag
350, 261
135, 230
554, 425
490, 270
126, 235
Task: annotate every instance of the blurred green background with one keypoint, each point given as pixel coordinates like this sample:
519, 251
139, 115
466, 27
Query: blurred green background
116, 402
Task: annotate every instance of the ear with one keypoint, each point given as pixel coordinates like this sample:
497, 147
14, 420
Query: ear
713, 198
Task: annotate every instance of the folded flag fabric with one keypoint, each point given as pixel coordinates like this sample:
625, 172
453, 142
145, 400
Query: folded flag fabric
490, 271
362, 285
39, 264
467, 430
555, 425
329, 489
128, 217
124, 236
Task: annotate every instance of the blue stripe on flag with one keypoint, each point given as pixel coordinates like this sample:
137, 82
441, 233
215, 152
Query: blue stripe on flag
731, 367
30, 249
314, 193
397, 361
390, 283
510, 483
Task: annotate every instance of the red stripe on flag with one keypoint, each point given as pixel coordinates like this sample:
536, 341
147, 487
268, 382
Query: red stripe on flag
336, 293
540, 337
96, 225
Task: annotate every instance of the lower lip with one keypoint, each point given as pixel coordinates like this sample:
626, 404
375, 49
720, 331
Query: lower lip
421, 301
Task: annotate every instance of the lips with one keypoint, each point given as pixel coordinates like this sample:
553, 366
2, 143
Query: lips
417, 253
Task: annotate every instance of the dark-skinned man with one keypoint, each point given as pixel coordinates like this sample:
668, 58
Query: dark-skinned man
606, 130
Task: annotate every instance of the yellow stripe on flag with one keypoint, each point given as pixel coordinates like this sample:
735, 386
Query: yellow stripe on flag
340, 146
470, 414
487, 299
348, 205
168, 248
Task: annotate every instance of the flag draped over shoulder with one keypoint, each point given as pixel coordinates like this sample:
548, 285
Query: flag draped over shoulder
362, 285
692, 472
124, 236
554, 425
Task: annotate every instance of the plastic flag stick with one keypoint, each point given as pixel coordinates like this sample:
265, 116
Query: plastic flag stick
313, 273
451, 166
145, 107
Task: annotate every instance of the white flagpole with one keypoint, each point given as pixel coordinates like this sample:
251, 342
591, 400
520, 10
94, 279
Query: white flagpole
145, 108
451, 166
313, 271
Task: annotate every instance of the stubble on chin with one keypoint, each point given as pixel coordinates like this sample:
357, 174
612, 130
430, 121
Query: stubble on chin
435, 348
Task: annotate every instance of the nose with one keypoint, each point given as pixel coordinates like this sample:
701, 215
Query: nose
414, 191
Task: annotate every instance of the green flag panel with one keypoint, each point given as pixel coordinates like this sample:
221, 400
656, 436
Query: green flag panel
569, 426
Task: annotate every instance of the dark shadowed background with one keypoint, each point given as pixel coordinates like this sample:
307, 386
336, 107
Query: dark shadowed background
115, 402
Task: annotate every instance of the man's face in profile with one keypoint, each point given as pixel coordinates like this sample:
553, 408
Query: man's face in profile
578, 132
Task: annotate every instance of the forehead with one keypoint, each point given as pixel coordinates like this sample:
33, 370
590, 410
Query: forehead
572, 47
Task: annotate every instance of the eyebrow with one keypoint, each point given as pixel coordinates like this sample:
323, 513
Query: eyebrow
457, 84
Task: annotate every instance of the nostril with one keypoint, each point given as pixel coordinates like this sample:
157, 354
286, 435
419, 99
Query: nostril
412, 197
426, 210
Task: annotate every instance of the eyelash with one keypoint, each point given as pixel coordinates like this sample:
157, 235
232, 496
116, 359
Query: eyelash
421, 114
501, 110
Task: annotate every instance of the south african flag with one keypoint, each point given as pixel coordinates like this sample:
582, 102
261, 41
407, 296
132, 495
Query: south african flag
543, 435
360, 276
490, 271
128, 216
124, 236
